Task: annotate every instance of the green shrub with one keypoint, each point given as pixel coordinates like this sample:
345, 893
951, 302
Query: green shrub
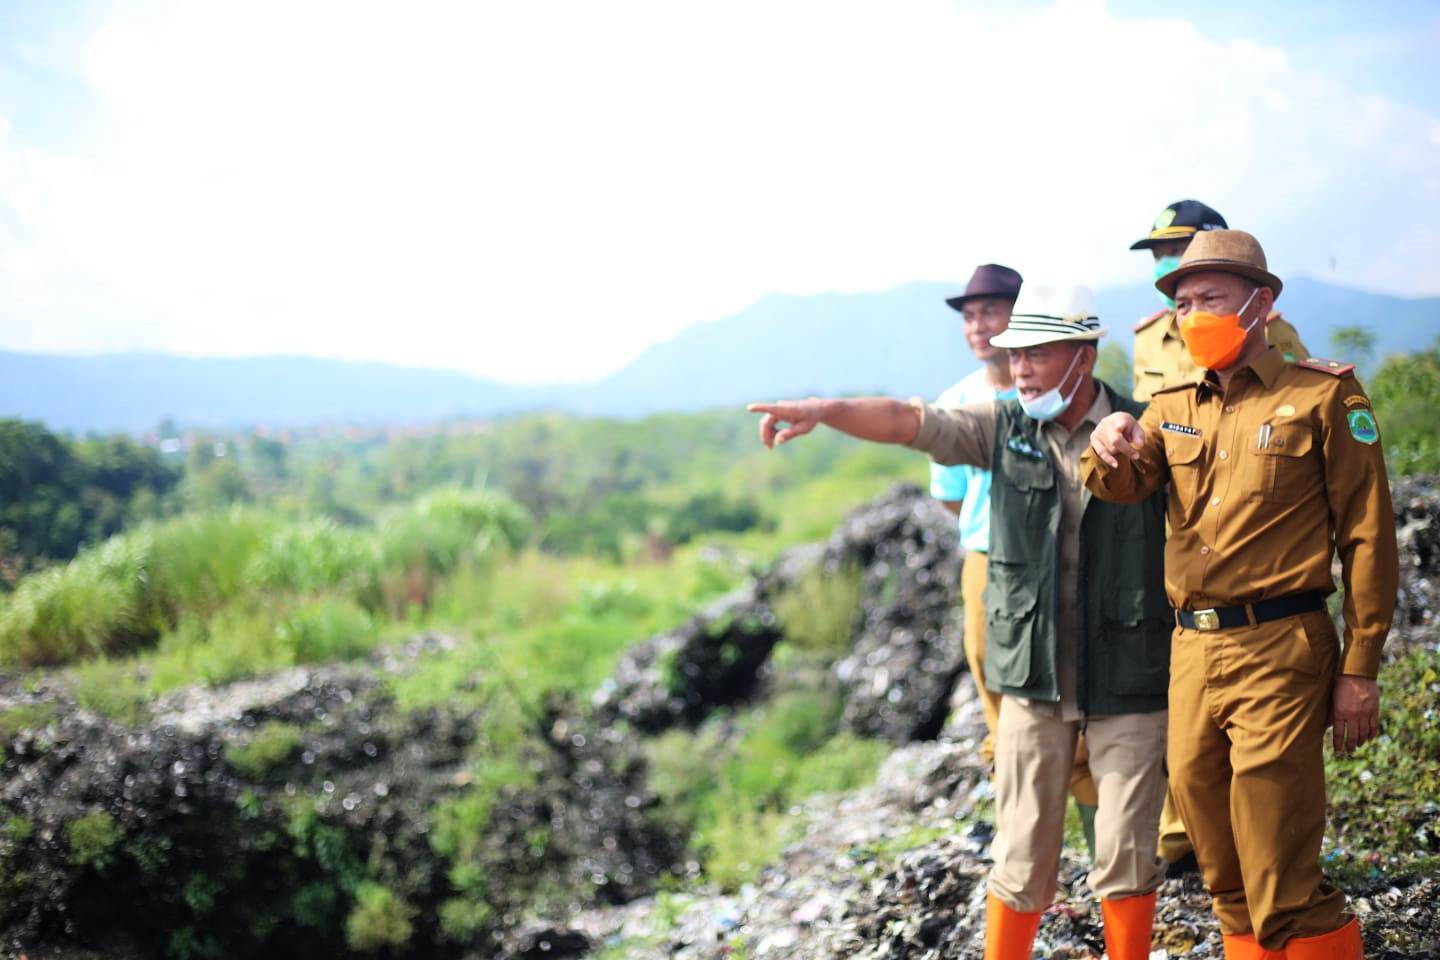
740, 839
17, 830
329, 629
379, 919
25, 716
845, 762
463, 918
268, 748
110, 688
1383, 820
310, 558
93, 838
818, 614
126, 592
89, 605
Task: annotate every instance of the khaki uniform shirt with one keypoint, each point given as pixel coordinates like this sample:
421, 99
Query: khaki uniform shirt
966, 434
1161, 357
1269, 478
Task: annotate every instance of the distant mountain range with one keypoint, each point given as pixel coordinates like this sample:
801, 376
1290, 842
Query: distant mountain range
901, 341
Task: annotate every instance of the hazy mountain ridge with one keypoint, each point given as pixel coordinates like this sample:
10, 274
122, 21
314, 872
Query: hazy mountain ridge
903, 341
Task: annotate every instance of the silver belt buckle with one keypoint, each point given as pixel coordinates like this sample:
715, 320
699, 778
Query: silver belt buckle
1207, 620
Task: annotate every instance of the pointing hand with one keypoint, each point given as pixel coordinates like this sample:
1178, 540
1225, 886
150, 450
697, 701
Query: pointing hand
801, 415
1118, 435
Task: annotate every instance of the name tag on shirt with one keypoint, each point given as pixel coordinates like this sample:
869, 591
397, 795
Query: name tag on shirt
1180, 428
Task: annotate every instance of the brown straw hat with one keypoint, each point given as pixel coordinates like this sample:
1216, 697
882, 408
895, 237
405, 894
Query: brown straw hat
1226, 251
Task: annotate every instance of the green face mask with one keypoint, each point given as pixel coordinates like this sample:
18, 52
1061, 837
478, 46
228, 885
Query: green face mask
1163, 266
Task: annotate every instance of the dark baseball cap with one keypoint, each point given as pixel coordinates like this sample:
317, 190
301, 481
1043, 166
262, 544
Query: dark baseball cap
988, 280
1181, 221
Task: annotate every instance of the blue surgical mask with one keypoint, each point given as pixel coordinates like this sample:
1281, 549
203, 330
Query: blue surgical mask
1052, 403
1163, 266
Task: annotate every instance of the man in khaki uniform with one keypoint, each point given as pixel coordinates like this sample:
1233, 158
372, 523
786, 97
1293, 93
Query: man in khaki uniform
1160, 354
1077, 632
1272, 469
1160, 359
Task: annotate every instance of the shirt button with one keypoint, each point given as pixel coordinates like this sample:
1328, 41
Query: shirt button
1214, 501
1170, 450
1204, 551
1229, 408
1224, 455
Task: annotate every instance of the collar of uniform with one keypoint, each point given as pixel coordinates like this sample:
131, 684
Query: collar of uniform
1101, 408
1266, 368
1268, 365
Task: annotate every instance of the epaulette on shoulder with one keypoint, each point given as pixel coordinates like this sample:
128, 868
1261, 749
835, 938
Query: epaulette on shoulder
1274, 315
1145, 322
1333, 367
1172, 387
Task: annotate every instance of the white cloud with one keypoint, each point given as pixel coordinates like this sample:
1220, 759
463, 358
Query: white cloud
537, 191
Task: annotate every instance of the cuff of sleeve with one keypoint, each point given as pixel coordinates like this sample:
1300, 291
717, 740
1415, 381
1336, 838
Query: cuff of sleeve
1360, 659
925, 437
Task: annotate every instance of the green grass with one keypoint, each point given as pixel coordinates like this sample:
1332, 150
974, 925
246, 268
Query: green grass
93, 838
1384, 820
819, 613
379, 919
269, 748
28, 716
734, 799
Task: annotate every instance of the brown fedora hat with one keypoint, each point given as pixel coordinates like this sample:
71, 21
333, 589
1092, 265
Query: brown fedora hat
1226, 251
989, 280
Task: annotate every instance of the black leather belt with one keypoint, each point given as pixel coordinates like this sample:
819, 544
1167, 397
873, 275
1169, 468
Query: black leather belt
1225, 618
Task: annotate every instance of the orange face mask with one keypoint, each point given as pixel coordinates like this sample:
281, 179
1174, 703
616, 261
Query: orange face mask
1215, 340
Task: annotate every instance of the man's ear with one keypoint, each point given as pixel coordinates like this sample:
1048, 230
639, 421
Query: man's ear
1266, 296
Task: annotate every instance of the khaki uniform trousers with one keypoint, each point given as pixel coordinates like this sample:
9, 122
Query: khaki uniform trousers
1249, 708
973, 574
1034, 757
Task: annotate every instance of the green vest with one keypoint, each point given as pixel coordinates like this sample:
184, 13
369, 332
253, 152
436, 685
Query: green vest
1122, 655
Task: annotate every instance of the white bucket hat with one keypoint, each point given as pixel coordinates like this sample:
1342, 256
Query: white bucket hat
1049, 314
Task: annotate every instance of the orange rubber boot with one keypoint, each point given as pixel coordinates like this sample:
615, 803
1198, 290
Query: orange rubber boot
1244, 946
1009, 934
1129, 923
1342, 944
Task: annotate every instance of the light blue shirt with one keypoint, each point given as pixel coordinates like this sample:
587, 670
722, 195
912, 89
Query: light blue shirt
970, 484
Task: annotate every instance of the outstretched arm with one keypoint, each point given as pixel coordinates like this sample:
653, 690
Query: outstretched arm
960, 435
877, 419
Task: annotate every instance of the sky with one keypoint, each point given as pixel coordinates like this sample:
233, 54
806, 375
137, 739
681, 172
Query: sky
538, 191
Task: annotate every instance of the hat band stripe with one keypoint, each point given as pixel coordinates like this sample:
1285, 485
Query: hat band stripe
1052, 326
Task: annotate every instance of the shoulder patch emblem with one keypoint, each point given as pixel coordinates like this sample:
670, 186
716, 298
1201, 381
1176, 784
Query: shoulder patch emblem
1146, 321
1363, 426
1356, 400
1333, 367
1180, 428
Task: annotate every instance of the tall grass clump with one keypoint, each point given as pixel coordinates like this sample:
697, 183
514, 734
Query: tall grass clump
733, 795
124, 593
315, 557
247, 639
448, 530
818, 614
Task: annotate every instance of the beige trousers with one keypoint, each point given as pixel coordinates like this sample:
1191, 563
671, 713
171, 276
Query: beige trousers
1250, 707
1034, 757
973, 573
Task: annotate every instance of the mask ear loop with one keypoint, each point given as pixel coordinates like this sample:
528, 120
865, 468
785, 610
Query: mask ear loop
1246, 306
1068, 370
